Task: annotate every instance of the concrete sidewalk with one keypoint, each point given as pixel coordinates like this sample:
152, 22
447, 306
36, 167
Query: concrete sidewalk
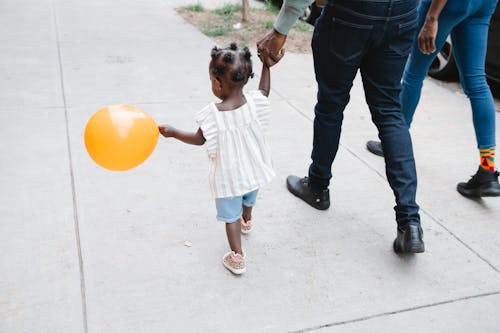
88, 250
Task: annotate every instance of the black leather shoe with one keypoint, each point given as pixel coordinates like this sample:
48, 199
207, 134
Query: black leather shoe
375, 147
483, 184
409, 239
301, 188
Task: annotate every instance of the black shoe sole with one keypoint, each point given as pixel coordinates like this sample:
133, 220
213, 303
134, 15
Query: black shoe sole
414, 248
488, 190
374, 150
323, 206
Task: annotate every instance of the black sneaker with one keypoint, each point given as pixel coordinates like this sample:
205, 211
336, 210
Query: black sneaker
483, 184
409, 239
301, 188
375, 147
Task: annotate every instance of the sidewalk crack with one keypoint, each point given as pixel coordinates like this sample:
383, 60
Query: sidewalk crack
72, 176
390, 313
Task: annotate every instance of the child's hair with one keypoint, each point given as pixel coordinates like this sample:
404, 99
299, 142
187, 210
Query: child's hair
234, 61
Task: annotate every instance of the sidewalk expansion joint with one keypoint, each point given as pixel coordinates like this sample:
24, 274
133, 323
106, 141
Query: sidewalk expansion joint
72, 176
431, 216
390, 313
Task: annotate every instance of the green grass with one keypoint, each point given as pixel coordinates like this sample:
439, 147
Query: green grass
268, 25
228, 11
194, 8
302, 26
270, 7
214, 31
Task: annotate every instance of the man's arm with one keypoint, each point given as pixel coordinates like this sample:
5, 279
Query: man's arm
290, 11
270, 47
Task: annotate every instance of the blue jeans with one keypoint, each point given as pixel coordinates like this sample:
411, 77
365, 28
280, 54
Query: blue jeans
230, 209
467, 22
375, 37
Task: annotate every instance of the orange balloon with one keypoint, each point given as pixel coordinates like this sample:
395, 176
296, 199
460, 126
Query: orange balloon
120, 137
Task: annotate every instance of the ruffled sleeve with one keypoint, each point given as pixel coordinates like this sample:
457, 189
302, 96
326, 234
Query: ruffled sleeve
205, 119
262, 108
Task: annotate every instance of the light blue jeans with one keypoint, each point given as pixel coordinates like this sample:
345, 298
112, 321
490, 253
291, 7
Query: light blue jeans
230, 209
467, 22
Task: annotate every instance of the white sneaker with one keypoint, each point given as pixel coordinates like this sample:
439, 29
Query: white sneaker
234, 262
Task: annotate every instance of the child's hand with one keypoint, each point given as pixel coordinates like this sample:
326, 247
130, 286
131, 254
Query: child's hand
167, 131
263, 59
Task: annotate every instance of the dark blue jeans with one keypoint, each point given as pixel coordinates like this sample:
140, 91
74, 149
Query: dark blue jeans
375, 37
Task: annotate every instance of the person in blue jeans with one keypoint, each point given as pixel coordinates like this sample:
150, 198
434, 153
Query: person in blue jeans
467, 22
374, 37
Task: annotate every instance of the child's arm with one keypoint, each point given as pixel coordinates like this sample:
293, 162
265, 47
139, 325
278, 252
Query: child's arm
191, 138
265, 80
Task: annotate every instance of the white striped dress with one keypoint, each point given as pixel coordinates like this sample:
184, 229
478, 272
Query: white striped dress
238, 153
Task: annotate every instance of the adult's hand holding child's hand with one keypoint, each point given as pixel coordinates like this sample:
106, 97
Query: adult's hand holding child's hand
270, 47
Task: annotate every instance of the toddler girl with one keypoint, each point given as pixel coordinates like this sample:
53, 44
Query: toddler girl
239, 156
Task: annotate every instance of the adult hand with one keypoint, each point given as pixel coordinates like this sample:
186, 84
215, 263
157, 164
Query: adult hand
427, 37
270, 47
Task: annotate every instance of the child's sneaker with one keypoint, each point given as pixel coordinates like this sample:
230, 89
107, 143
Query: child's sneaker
246, 227
234, 262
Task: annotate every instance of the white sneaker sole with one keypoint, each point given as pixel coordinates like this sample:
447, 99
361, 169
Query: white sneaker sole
246, 232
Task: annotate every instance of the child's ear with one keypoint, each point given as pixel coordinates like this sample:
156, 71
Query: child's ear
218, 84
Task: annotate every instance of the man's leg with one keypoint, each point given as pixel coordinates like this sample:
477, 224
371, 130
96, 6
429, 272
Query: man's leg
381, 72
382, 97
337, 51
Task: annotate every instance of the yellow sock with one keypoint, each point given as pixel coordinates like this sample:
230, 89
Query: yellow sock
487, 156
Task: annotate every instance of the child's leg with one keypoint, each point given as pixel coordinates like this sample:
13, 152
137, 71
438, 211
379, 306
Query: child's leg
233, 231
247, 205
229, 211
249, 200
247, 213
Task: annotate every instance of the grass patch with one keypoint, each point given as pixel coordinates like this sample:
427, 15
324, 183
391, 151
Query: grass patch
302, 26
224, 25
197, 8
228, 11
270, 7
216, 31
268, 25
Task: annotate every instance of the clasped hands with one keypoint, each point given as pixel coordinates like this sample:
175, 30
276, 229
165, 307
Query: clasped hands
270, 47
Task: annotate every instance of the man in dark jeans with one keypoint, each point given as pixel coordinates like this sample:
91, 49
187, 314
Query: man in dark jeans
375, 37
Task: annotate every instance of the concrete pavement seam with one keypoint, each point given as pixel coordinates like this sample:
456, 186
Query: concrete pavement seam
390, 313
431, 216
72, 176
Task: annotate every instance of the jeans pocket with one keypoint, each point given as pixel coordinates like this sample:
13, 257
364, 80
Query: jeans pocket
348, 40
404, 38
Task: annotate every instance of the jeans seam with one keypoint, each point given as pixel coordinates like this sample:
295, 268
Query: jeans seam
407, 24
352, 25
375, 18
